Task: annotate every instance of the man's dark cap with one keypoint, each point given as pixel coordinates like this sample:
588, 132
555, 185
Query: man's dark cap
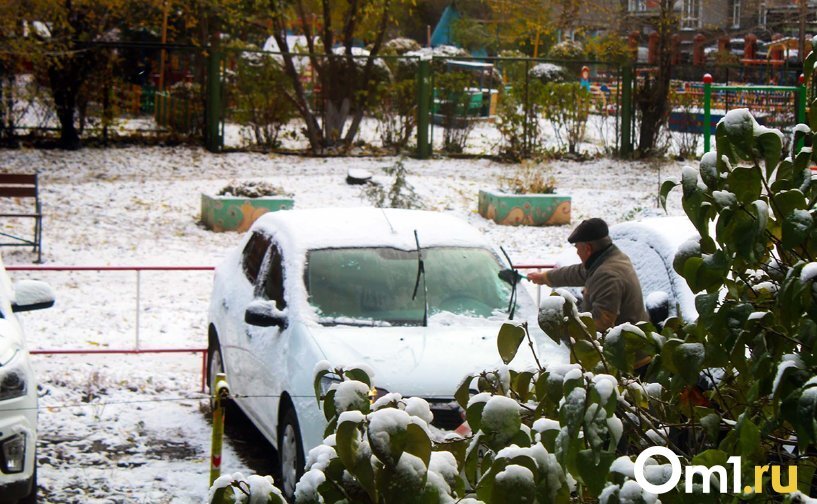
589, 230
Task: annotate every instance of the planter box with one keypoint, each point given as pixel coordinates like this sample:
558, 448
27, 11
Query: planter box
228, 213
525, 209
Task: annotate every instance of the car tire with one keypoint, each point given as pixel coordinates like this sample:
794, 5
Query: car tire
290, 452
215, 365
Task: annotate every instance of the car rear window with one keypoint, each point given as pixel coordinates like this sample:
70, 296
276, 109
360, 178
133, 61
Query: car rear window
377, 283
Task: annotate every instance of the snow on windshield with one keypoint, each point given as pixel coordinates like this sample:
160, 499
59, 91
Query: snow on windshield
378, 284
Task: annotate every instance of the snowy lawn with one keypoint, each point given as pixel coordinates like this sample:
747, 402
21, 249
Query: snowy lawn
135, 428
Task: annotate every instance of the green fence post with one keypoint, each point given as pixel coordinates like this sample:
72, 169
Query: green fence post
219, 391
706, 127
626, 110
801, 106
423, 108
213, 112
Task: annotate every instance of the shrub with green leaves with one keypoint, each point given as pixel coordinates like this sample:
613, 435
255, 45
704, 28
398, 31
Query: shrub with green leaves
517, 119
454, 98
566, 105
238, 489
260, 99
377, 452
396, 113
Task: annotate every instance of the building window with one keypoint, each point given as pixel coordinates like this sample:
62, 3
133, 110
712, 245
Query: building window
637, 5
761, 14
735, 13
691, 16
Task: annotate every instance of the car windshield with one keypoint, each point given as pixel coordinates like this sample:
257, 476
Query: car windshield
376, 284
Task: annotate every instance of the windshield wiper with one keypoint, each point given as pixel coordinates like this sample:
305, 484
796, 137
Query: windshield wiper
421, 271
513, 280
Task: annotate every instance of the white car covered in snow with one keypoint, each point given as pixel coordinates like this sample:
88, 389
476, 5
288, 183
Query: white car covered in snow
18, 390
351, 286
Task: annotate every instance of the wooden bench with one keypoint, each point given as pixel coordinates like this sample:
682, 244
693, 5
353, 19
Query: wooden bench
13, 185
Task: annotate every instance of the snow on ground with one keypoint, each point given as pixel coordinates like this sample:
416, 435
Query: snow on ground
134, 428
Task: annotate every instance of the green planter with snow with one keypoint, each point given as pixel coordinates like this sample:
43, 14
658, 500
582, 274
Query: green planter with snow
525, 209
238, 205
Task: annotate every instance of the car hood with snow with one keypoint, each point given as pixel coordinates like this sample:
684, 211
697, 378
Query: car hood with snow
418, 361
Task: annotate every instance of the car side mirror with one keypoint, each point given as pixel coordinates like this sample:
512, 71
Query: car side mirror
32, 295
264, 313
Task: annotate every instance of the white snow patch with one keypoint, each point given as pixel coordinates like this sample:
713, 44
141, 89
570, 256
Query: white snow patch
350, 393
320, 456
545, 424
789, 361
624, 466
656, 299
808, 272
515, 475
385, 423
419, 407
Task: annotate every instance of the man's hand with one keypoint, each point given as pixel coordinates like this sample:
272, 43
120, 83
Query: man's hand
539, 277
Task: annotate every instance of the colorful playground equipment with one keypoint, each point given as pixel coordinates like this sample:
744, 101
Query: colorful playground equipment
781, 100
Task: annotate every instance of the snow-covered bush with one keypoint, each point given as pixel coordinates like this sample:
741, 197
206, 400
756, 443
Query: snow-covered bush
549, 72
529, 177
380, 452
400, 45
252, 189
566, 50
237, 489
401, 194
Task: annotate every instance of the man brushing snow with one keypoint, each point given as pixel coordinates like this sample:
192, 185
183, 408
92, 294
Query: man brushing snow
612, 292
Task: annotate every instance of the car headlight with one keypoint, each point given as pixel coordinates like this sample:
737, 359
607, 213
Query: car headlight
14, 454
13, 381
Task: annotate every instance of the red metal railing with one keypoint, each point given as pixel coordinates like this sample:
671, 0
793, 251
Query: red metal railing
137, 347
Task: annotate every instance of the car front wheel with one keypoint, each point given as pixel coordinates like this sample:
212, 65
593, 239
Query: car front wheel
215, 364
290, 453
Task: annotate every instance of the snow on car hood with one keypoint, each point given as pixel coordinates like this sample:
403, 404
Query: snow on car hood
417, 361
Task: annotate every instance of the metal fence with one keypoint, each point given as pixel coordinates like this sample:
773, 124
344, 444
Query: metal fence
76, 295
125, 93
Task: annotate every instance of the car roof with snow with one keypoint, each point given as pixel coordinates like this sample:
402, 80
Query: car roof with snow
367, 227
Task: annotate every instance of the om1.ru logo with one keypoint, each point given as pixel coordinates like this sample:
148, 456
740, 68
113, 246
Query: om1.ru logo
706, 474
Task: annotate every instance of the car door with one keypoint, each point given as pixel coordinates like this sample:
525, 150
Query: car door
266, 345
233, 332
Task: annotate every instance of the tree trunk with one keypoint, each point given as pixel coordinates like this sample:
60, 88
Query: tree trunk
653, 98
65, 99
